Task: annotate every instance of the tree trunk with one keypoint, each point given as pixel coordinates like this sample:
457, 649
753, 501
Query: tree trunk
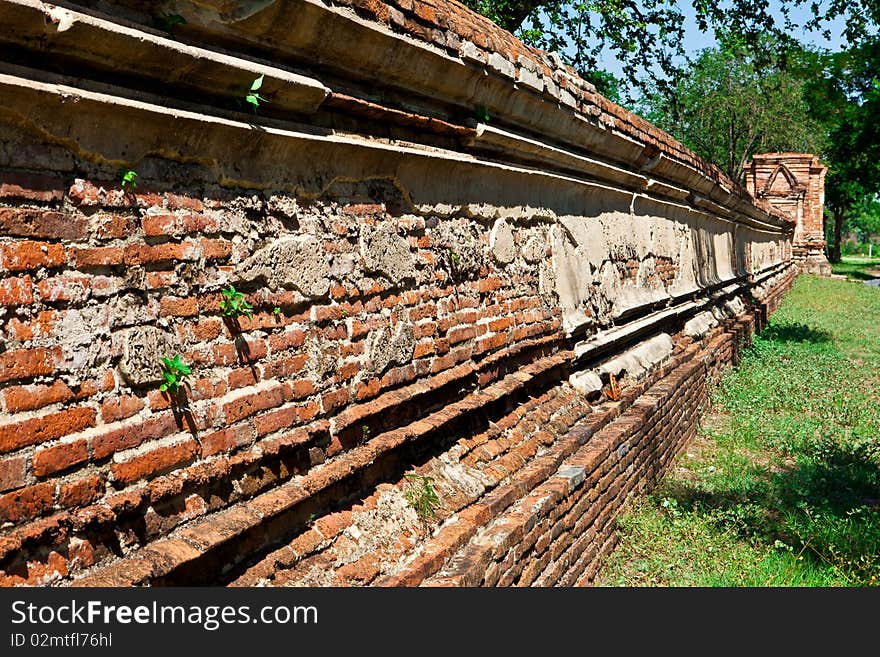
834, 248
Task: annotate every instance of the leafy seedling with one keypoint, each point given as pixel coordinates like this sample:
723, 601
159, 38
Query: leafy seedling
276, 310
481, 114
253, 97
128, 179
174, 371
421, 496
233, 304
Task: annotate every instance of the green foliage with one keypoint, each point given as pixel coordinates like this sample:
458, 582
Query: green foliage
481, 114
233, 303
276, 310
128, 178
167, 22
174, 371
421, 496
253, 97
606, 84
735, 101
780, 487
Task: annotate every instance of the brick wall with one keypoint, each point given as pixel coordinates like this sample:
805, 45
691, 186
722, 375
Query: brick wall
433, 296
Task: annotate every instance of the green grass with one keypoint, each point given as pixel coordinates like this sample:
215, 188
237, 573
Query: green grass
857, 268
781, 487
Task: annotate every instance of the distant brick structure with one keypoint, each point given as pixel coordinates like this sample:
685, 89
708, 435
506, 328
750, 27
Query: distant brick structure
795, 184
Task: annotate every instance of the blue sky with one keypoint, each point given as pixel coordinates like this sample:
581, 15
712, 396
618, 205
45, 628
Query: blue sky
696, 40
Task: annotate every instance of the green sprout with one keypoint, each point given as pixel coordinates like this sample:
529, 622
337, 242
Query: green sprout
253, 97
423, 498
481, 114
276, 310
173, 372
128, 178
233, 304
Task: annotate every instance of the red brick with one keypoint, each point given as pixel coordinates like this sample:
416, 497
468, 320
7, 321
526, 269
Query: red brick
500, 324
26, 503
112, 226
178, 307
243, 377
159, 224
249, 404
154, 462
216, 249
47, 224
120, 408
64, 288
95, 257
16, 291
334, 399
139, 254
284, 367
206, 330
301, 388
291, 337
47, 427
13, 472
199, 223
31, 187
275, 420
461, 334
29, 398
20, 256
218, 441
80, 492
132, 435
59, 457
175, 202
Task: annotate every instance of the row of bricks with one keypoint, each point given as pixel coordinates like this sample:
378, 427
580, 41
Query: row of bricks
320, 477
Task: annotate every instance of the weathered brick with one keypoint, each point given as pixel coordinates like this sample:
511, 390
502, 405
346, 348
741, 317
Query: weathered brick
155, 225
120, 408
16, 291
24, 255
46, 224
13, 472
111, 226
275, 420
95, 257
64, 288
36, 430
29, 398
26, 503
178, 307
154, 461
132, 434
59, 457
247, 405
80, 492
31, 187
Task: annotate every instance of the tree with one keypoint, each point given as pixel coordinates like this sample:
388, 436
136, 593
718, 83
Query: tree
732, 103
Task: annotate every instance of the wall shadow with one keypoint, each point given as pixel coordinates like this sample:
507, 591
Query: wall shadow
794, 332
826, 508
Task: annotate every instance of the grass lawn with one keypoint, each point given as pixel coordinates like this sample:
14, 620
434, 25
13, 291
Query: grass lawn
857, 268
781, 487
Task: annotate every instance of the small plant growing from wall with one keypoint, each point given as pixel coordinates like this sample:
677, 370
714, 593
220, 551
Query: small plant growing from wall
129, 178
174, 371
481, 114
253, 97
421, 496
233, 304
